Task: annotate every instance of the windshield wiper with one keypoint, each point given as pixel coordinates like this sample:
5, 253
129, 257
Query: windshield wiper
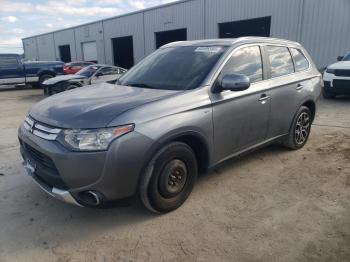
140, 85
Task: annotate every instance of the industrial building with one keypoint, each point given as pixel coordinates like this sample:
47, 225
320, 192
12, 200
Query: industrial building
322, 26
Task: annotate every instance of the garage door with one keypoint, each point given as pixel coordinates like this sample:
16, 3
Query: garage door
251, 27
89, 51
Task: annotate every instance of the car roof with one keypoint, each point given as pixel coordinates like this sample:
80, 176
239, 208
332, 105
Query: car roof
232, 41
102, 65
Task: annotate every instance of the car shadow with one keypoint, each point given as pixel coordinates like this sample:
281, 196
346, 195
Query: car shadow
238, 161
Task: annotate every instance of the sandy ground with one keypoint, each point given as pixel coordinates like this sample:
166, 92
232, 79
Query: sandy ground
272, 205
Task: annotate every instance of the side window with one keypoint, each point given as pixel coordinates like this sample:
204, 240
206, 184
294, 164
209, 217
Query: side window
280, 60
8, 60
107, 71
300, 60
246, 61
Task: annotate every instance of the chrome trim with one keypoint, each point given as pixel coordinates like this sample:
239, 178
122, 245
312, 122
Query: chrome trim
32, 79
44, 135
47, 129
40, 130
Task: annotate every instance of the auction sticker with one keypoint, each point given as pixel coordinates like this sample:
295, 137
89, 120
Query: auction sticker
208, 49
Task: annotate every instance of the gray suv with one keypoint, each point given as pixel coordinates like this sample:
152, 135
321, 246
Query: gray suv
182, 110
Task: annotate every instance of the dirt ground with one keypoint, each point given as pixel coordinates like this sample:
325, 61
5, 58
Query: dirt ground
272, 205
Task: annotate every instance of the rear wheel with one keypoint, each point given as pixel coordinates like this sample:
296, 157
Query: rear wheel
169, 178
300, 129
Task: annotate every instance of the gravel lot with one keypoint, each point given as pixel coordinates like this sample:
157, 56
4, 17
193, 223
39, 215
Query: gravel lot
272, 205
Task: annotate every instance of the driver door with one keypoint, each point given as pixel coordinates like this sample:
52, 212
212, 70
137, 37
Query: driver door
241, 117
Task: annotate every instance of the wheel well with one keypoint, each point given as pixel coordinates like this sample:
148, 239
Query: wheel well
312, 106
46, 73
199, 148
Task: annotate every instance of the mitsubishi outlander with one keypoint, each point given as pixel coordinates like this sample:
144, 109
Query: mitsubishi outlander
182, 110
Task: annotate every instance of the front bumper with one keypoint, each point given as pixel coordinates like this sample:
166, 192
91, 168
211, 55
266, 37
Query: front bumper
336, 85
57, 193
66, 175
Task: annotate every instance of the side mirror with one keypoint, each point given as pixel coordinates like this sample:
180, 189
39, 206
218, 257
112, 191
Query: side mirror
235, 82
339, 58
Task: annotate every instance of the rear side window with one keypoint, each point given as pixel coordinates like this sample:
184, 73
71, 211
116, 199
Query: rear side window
246, 61
108, 71
280, 60
300, 60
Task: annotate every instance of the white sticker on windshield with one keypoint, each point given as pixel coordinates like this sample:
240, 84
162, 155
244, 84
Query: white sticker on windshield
208, 49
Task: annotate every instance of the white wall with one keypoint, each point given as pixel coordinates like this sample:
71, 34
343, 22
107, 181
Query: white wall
124, 26
65, 37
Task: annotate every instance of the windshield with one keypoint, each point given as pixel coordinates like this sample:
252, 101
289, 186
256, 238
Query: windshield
87, 71
346, 57
174, 68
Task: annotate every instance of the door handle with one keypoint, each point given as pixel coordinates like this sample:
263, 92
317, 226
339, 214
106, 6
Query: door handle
263, 98
299, 87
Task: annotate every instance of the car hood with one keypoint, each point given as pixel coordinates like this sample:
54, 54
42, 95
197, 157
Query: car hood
93, 106
340, 65
62, 78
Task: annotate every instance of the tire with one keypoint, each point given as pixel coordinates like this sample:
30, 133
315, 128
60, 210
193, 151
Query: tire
300, 130
327, 95
169, 178
43, 78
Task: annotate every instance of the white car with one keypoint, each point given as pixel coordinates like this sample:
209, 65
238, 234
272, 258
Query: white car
89, 75
337, 78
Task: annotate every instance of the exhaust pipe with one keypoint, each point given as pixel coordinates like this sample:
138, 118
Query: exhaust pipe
91, 198
95, 198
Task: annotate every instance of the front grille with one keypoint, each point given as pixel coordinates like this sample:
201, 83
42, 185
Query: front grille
341, 83
39, 157
342, 72
40, 130
45, 169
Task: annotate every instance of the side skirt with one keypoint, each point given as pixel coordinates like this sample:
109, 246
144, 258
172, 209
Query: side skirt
248, 150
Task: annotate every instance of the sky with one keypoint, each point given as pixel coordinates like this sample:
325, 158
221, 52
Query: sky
20, 19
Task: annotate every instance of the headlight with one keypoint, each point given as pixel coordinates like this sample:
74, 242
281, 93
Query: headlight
331, 71
94, 139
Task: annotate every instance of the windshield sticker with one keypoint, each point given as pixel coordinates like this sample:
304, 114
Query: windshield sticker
208, 49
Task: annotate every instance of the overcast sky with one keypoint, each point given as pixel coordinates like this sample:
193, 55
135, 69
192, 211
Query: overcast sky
20, 19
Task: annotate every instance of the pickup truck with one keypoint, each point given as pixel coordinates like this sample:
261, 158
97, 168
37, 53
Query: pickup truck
14, 71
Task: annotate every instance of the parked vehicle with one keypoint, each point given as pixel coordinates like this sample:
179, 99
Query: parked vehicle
13, 70
92, 74
73, 67
182, 110
337, 78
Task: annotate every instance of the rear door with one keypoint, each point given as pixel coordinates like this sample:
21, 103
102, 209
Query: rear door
241, 118
11, 70
286, 87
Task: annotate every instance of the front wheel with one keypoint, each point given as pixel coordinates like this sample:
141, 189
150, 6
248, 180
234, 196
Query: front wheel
169, 178
300, 129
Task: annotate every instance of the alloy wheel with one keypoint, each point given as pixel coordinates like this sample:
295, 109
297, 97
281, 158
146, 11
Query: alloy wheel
302, 128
